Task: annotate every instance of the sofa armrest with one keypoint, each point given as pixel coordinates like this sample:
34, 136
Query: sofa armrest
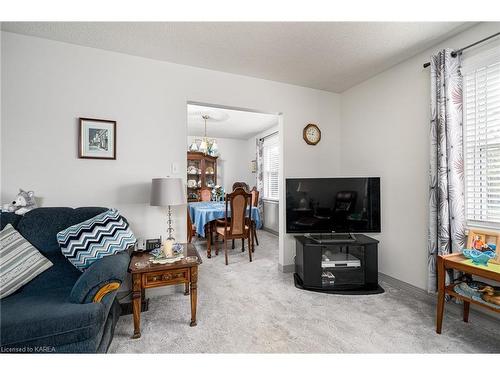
102, 277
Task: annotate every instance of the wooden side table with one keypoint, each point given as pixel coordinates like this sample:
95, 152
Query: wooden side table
460, 263
147, 275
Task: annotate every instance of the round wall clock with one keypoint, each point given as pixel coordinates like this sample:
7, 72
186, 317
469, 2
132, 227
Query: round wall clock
312, 134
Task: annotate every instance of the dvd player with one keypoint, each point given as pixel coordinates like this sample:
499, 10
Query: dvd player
337, 260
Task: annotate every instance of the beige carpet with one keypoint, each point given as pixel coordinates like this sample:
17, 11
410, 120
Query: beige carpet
253, 308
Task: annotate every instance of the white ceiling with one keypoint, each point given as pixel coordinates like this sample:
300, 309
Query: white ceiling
331, 56
228, 123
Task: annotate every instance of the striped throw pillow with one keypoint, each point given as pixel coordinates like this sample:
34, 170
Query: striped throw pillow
20, 261
103, 235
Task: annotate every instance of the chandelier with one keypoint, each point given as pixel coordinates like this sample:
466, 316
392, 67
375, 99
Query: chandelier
208, 146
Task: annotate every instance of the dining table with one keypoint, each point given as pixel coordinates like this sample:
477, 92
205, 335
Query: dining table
204, 213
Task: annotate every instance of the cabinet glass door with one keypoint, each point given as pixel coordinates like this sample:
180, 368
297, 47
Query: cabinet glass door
193, 179
342, 265
210, 177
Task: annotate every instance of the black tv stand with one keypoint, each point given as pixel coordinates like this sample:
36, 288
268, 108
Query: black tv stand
339, 266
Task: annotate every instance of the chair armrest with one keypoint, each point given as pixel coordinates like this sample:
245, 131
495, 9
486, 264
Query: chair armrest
102, 277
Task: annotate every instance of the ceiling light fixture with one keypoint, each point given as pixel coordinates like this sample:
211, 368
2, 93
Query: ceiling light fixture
208, 146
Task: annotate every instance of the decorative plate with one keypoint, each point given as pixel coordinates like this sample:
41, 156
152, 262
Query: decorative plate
192, 183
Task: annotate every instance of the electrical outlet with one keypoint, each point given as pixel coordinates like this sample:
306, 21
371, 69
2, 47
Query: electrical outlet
174, 168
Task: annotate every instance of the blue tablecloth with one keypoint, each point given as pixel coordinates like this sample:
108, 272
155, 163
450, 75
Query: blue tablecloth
204, 212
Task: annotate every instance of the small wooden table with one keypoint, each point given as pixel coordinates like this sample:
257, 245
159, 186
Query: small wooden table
460, 263
147, 275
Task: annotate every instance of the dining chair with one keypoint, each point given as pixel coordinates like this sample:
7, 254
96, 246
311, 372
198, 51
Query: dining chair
255, 203
191, 228
239, 227
243, 185
205, 194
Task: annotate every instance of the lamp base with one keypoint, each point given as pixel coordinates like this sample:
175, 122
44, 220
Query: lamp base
170, 230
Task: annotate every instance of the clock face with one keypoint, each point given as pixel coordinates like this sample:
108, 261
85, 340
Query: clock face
312, 134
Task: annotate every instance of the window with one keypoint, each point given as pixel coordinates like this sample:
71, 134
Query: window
482, 138
271, 167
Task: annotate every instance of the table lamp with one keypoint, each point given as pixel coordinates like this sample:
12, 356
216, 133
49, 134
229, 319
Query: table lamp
167, 192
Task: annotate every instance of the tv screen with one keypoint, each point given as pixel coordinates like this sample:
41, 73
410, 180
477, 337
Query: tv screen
342, 205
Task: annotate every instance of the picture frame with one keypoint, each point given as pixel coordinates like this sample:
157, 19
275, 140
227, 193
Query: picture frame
96, 139
485, 237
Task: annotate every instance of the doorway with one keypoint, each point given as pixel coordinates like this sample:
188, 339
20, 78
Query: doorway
233, 146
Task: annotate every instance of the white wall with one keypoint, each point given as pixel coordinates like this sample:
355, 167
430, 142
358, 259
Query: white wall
385, 126
232, 164
46, 85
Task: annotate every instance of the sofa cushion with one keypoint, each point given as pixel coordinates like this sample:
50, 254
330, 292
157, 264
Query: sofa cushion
48, 319
101, 236
9, 218
61, 276
20, 262
41, 225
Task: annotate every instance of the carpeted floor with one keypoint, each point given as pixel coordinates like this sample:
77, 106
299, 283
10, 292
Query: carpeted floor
253, 308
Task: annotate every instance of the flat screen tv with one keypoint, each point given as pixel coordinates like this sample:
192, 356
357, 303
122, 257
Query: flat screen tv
341, 205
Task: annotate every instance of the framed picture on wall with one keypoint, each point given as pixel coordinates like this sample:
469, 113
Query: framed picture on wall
97, 139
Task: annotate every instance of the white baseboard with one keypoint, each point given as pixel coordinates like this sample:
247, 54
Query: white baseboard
286, 268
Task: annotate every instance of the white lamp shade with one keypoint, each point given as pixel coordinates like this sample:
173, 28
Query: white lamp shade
203, 145
167, 192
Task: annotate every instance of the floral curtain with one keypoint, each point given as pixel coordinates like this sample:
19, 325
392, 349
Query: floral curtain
446, 190
260, 174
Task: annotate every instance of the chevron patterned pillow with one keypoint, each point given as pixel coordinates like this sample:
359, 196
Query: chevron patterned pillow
103, 235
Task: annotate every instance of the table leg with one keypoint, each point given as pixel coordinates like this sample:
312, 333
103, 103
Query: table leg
194, 294
136, 304
209, 241
186, 289
466, 311
441, 286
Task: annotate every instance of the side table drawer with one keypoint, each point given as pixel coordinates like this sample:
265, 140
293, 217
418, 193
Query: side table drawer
159, 278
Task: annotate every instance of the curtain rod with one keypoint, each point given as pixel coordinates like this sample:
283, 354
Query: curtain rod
269, 135
459, 51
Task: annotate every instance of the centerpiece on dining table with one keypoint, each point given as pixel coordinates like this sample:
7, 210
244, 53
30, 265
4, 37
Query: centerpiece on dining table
218, 193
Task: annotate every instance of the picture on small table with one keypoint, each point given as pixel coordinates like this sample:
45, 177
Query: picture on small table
97, 139
483, 240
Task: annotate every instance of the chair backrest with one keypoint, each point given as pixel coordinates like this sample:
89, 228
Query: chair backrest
205, 194
239, 201
41, 225
243, 185
255, 196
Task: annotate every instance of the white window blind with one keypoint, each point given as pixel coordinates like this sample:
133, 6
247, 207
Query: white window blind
481, 113
271, 167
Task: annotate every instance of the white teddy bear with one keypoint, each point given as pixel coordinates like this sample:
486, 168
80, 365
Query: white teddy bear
24, 202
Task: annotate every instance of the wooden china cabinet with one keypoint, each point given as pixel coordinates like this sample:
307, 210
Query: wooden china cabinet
201, 172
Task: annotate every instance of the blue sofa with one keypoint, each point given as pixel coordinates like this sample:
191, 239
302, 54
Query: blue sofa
62, 309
